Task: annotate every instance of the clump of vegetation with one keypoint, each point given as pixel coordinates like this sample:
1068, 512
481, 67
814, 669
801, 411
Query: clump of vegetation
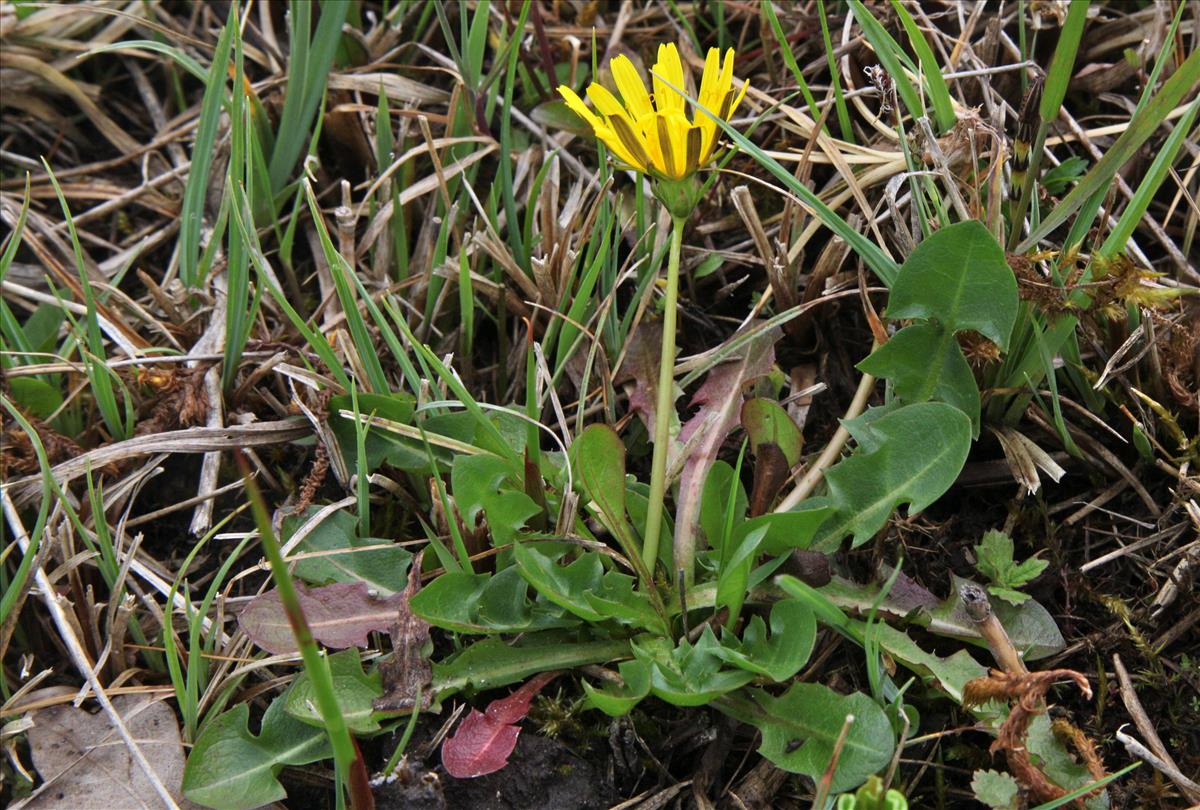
548, 404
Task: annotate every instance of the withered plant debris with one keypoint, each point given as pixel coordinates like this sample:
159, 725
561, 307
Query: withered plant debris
407, 673
17, 455
1026, 693
180, 400
339, 615
313, 480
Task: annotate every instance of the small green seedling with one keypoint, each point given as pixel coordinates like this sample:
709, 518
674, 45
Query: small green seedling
995, 555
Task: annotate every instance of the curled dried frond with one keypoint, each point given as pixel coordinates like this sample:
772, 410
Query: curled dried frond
1083, 745
1026, 692
18, 456
1019, 687
180, 403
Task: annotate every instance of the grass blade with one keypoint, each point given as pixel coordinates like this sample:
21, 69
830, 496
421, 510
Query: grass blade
240, 209
1140, 129
99, 374
939, 95
1062, 66
315, 662
839, 98
341, 272
879, 262
237, 266
891, 56
1054, 90
1086, 789
15, 587
1148, 187
789, 59
192, 213
307, 69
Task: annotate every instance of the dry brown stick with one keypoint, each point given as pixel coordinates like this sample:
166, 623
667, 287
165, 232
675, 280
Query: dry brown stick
1097, 453
124, 198
69, 281
1115, 489
210, 467
825, 783
1151, 225
832, 450
10, 624
189, 440
1135, 748
1140, 719
979, 609
1176, 631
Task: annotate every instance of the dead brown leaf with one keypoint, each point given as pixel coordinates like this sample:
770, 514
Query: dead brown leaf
407, 674
85, 766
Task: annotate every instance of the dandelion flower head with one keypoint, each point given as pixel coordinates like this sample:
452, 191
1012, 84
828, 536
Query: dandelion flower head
653, 133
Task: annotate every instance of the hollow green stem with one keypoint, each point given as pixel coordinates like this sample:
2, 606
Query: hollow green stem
315, 662
663, 407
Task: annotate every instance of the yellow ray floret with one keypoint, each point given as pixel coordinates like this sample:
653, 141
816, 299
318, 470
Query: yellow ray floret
653, 133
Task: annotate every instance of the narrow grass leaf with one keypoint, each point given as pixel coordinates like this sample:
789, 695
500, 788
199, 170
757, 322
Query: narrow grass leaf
99, 374
237, 265
879, 262
1141, 128
789, 58
891, 56
1149, 185
1062, 65
313, 338
308, 68
203, 151
939, 95
316, 664
839, 97
1088, 788
182, 59
341, 272
15, 587
1054, 89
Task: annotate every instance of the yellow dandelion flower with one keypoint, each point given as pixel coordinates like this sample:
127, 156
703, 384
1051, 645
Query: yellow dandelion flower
653, 133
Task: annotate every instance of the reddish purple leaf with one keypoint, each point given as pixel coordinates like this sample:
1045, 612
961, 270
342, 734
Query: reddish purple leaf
484, 741
720, 401
639, 372
480, 746
339, 615
513, 708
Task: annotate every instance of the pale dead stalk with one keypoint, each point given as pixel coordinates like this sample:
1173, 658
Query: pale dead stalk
77, 655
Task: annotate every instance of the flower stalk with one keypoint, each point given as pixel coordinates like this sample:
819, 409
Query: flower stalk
345, 754
663, 407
